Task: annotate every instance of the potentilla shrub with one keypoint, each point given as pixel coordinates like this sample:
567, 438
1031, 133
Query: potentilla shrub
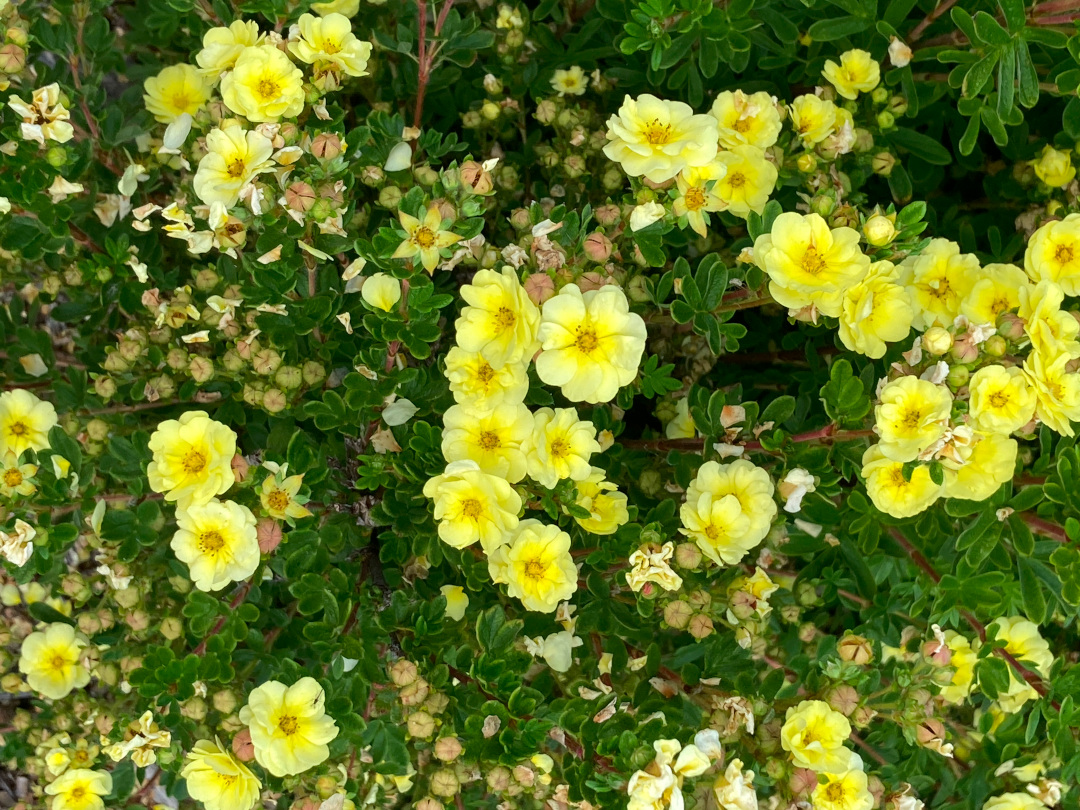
573, 404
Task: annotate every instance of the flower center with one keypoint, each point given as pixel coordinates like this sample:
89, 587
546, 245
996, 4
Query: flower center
211, 542
268, 88
742, 125
999, 399
813, 262
236, 168
77, 793
278, 500
489, 440
18, 429
58, 661
657, 133
712, 532
13, 477
694, 198
424, 237
288, 725
911, 418
1063, 254
559, 448
181, 101
194, 462
834, 792
504, 319
535, 568
485, 373
472, 508
586, 341
737, 180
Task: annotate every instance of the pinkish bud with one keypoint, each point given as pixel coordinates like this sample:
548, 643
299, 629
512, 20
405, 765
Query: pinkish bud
243, 747
597, 247
300, 196
539, 287
268, 533
326, 146
240, 468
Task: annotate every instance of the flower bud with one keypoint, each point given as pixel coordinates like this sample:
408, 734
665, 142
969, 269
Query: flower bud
823, 204
447, 749
688, 556
958, 377
802, 781
612, 179
274, 400
126, 598
300, 196
886, 120
444, 782
171, 628
489, 110
243, 747
373, 176
313, 373
429, 803
403, 673
843, 698
879, 230
390, 197
326, 146
194, 709
420, 725
201, 369
597, 247
677, 614
225, 701
937, 340
546, 110
701, 626
995, 346
882, 163
476, 177
12, 58
806, 163
855, 650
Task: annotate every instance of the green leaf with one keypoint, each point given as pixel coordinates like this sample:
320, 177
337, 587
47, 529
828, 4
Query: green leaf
1014, 13
922, 146
837, 28
1031, 591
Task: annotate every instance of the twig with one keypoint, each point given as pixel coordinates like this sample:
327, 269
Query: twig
869, 749
930, 19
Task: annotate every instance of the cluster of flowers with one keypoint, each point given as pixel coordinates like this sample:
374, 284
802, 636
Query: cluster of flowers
589, 345
720, 160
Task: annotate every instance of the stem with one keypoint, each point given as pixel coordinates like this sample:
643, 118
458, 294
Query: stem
1045, 527
930, 19
695, 445
869, 749
119, 497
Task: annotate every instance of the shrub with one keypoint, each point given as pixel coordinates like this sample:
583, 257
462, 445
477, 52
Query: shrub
582, 404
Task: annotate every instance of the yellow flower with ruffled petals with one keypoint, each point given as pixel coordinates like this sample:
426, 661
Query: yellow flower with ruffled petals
16, 478
494, 439
891, 492
814, 734
192, 459
746, 119
234, 158
222, 46
474, 381
996, 291
51, 660
1057, 391
695, 196
986, 464
215, 777
1054, 167
289, 726
940, 278
560, 446
473, 505
812, 118
218, 542
592, 343
1051, 330
875, 312
605, 504
25, 422
264, 85
1024, 643
847, 790
913, 414
1001, 399
500, 321
329, 43
856, 73
80, 789
657, 139
1053, 254
538, 567
747, 181
176, 90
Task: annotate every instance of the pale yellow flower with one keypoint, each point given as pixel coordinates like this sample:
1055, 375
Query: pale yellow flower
176, 90
592, 344
457, 601
146, 736
494, 440
328, 42
17, 547
571, 81
856, 73
911, 416
474, 381
814, 734
1013, 801
424, 239
560, 446
381, 291
1051, 330
846, 790
264, 85
234, 158
746, 119
80, 789
1024, 643
192, 459
51, 660
652, 564
657, 139
347, 8
25, 422
500, 321
751, 486
695, 196
44, 118
16, 478
280, 496
996, 291
222, 46
1053, 167
962, 659
472, 505
1053, 254
1057, 391
606, 505
1001, 399
538, 567
939, 278
215, 777
747, 181
289, 726
986, 465
891, 492
875, 312
218, 542
812, 118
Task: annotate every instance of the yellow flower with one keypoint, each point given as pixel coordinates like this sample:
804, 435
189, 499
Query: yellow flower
940, 278
80, 789
812, 118
146, 735
457, 601
890, 492
18, 547
1051, 330
217, 540
538, 567
1053, 167
234, 158
1002, 399
1022, 642
500, 321
681, 425
50, 660
962, 660
1057, 391
997, 290
650, 564
814, 735
264, 85
176, 90
474, 381
279, 496
381, 291
569, 82
856, 73
875, 312
696, 197
218, 779
221, 47
751, 486
347, 8
25, 422
472, 505
192, 459
843, 791
494, 440
560, 446
746, 119
913, 414
329, 43
718, 526
658, 139
44, 118
987, 464
809, 264
748, 181
1053, 254
606, 505
424, 239
592, 343
289, 726
1014, 801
